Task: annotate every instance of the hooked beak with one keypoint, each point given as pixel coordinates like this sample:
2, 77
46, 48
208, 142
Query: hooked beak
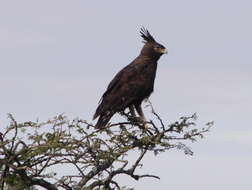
164, 51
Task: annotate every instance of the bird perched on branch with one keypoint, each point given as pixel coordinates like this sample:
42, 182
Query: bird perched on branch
132, 84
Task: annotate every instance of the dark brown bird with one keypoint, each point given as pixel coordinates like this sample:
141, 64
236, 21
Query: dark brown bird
132, 84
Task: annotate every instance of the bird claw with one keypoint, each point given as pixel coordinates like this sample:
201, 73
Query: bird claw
141, 121
145, 125
136, 119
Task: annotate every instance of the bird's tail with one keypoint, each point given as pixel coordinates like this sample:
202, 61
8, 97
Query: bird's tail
103, 121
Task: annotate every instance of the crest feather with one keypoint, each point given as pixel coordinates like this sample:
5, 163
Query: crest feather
146, 35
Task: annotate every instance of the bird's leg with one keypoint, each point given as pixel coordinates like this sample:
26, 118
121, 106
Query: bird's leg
133, 114
132, 111
141, 114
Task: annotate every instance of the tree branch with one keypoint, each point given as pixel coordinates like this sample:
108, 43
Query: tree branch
96, 155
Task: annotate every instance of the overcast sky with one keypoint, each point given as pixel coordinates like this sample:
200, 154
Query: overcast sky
59, 56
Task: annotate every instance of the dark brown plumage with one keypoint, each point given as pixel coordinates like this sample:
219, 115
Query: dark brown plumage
132, 84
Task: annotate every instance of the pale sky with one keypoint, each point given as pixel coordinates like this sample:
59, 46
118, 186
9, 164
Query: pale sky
59, 56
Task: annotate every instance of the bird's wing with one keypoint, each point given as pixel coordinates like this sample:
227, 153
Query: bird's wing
122, 77
121, 91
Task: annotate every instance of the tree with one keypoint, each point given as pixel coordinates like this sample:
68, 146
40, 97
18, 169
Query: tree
34, 154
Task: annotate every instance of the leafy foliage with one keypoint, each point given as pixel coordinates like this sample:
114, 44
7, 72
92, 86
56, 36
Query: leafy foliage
39, 154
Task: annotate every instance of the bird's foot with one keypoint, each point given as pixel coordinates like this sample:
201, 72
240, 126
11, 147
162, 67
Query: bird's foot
137, 119
145, 125
141, 121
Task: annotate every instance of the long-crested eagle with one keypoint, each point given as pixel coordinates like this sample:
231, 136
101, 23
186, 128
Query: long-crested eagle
132, 84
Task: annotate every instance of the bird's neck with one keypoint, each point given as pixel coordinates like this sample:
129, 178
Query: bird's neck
152, 58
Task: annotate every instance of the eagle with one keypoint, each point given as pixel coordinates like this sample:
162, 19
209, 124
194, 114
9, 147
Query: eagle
133, 84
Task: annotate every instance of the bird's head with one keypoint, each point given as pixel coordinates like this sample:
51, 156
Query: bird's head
151, 47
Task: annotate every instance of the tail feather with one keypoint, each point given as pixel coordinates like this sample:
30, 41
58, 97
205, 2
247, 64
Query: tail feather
103, 121
97, 113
